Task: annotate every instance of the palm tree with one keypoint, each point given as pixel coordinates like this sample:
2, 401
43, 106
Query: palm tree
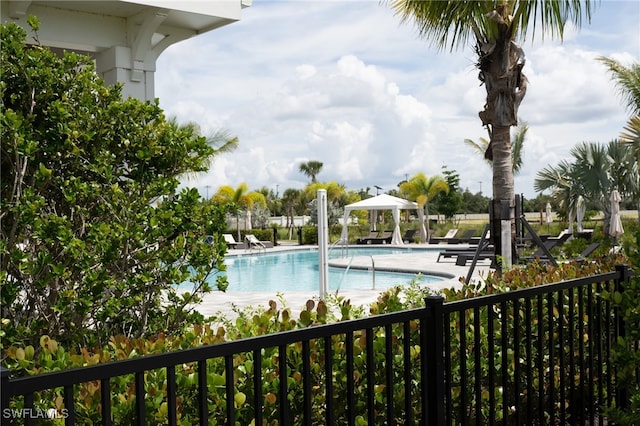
220, 140
495, 26
238, 199
627, 80
290, 199
562, 183
422, 190
597, 169
517, 147
311, 169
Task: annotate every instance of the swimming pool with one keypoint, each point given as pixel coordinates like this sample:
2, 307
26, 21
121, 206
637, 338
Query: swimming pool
290, 271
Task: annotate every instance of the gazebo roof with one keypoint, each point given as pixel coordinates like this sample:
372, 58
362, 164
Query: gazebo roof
382, 202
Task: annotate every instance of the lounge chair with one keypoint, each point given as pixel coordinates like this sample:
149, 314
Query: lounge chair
485, 253
254, 242
462, 259
384, 238
464, 239
231, 242
561, 238
589, 250
367, 240
408, 235
540, 255
451, 233
584, 254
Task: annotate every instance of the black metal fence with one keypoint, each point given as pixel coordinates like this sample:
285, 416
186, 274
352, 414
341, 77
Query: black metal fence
539, 355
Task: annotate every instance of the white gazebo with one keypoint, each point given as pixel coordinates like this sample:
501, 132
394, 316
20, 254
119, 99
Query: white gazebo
380, 202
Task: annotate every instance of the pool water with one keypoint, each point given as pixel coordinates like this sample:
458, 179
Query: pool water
298, 271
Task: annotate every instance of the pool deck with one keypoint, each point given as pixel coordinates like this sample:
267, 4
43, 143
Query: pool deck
222, 304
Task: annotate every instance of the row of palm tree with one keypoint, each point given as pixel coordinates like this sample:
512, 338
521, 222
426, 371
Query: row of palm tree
597, 169
594, 172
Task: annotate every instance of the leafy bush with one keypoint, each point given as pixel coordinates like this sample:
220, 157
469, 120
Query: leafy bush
626, 352
276, 317
309, 235
95, 233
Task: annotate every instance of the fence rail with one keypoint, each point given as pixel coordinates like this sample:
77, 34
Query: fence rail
539, 355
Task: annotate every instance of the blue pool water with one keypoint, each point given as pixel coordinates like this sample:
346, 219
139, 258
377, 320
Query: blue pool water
298, 271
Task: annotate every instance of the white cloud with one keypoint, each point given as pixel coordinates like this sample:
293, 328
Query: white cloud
343, 82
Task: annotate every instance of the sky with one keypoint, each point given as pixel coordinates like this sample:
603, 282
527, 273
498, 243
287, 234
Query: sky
344, 82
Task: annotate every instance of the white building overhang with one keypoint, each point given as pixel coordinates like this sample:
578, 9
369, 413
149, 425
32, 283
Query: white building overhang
124, 37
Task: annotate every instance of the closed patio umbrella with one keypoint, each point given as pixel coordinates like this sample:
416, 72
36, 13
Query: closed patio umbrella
581, 207
615, 224
247, 221
548, 219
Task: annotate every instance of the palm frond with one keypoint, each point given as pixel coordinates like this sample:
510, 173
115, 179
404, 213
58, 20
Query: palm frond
452, 23
627, 81
631, 136
517, 147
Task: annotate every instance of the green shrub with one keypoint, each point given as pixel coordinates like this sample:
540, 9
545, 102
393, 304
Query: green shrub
310, 235
276, 317
95, 230
626, 352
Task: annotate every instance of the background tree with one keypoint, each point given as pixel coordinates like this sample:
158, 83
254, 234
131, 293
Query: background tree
517, 147
94, 232
272, 200
290, 199
421, 189
627, 80
336, 198
239, 199
595, 171
311, 169
495, 27
474, 203
449, 203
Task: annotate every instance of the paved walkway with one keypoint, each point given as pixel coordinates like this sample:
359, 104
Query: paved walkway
425, 261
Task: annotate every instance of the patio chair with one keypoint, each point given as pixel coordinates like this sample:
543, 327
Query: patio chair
451, 233
465, 238
231, 242
384, 238
367, 240
254, 242
588, 251
469, 252
561, 238
408, 235
540, 255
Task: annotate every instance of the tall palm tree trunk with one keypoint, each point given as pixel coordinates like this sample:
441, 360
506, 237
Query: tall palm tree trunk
501, 72
503, 186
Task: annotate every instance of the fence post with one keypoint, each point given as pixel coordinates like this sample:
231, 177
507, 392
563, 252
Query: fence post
4, 386
434, 348
622, 396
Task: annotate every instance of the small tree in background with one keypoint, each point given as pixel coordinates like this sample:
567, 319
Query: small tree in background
422, 190
449, 203
311, 169
95, 234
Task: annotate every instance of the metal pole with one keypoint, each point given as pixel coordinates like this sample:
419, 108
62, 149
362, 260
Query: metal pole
323, 243
432, 341
373, 270
505, 235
